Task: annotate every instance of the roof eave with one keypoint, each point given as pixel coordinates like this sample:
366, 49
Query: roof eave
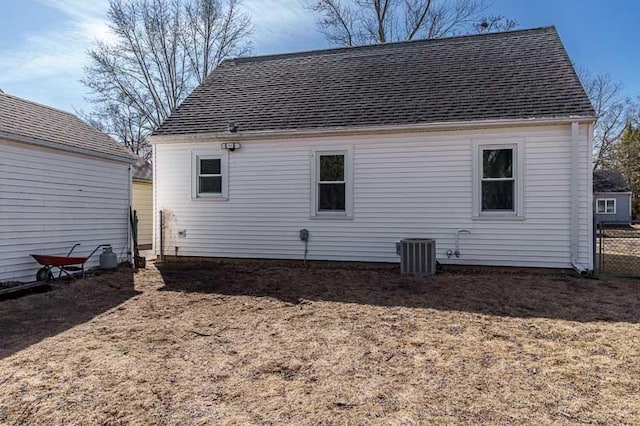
62, 147
338, 131
143, 180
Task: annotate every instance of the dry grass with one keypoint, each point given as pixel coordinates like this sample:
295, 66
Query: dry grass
267, 343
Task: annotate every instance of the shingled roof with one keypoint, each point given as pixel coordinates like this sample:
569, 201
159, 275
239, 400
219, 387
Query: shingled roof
30, 122
142, 171
609, 181
510, 75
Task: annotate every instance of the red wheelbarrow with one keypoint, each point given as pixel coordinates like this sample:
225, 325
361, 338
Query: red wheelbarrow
63, 264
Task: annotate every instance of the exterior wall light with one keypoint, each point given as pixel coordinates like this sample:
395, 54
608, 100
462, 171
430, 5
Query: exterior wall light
231, 146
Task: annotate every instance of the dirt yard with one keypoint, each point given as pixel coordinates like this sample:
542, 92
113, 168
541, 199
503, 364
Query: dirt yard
267, 343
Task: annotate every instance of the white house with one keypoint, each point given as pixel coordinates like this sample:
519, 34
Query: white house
484, 139
61, 182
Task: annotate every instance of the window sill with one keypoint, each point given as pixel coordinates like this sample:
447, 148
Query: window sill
211, 198
331, 217
499, 218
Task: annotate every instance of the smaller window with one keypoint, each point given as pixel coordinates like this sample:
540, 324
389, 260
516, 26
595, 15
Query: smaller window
606, 206
209, 174
331, 184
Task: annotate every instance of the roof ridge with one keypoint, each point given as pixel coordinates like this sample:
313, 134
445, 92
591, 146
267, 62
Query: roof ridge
28, 101
271, 56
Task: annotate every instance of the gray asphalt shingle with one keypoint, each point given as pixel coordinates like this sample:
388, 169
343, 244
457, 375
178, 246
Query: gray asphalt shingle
26, 119
511, 75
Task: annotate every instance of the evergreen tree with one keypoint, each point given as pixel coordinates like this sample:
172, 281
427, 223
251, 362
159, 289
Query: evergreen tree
628, 154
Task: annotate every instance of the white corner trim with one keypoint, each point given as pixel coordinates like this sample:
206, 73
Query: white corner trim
575, 199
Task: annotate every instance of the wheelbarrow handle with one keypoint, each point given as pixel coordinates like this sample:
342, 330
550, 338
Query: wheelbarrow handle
98, 248
72, 249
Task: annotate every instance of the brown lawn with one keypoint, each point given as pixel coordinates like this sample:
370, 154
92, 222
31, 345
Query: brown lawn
275, 343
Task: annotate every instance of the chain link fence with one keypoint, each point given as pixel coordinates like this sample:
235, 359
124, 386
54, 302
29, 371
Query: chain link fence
617, 250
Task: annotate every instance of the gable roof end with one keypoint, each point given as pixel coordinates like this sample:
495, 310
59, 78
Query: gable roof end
512, 75
37, 124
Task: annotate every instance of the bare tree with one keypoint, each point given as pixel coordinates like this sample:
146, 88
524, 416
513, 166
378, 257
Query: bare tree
493, 23
612, 113
162, 50
356, 22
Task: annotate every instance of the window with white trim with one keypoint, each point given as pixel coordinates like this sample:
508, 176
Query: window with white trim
209, 175
606, 206
331, 185
498, 180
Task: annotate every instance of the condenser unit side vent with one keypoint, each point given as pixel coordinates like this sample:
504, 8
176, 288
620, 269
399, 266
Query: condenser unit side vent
418, 257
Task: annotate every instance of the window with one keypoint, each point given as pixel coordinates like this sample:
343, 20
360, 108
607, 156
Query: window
498, 181
606, 206
331, 185
209, 175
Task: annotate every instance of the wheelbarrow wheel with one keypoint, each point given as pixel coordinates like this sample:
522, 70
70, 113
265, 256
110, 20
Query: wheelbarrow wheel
44, 274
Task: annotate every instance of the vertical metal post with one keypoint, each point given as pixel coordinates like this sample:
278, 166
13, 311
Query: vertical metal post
601, 250
161, 237
594, 237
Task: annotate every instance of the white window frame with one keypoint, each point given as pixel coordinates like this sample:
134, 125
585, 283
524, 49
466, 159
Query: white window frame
315, 155
478, 146
221, 155
606, 201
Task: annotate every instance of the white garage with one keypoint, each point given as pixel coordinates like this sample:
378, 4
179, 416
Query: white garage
62, 182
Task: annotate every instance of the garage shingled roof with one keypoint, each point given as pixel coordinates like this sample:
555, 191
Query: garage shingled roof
31, 122
510, 75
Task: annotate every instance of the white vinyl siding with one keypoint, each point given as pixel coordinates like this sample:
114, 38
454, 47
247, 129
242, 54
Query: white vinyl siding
404, 185
50, 200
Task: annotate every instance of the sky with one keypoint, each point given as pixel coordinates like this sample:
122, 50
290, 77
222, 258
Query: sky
44, 43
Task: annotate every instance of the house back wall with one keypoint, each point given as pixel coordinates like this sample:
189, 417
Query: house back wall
405, 185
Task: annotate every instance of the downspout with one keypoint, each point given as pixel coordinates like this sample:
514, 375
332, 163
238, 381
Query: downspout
575, 197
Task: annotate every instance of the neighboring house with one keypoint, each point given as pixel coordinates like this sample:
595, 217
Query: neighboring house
611, 197
365, 146
142, 185
61, 182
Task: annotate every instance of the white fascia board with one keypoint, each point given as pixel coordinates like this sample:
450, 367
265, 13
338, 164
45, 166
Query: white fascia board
362, 130
612, 193
62, 147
